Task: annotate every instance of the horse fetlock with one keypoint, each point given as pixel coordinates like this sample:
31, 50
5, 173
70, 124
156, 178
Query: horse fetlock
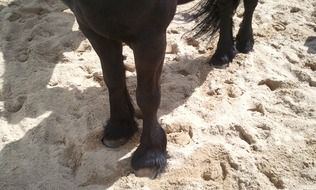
221, 59
118, 132
244, 44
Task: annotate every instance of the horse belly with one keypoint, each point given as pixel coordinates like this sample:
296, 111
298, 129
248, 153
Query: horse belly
125, 19
111, 19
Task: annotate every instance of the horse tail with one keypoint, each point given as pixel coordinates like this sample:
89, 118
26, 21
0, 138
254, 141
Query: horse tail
207, 14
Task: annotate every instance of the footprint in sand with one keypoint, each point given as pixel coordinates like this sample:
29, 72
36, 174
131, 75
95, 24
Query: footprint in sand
16, 105
71, 157
304, 77
234, 91
245, 135
40, 32
14, 17
214, 172
264, 131
311, 64
178, 133
23, 55
273, 177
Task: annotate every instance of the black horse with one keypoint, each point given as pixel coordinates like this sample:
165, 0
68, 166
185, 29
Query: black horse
142, 25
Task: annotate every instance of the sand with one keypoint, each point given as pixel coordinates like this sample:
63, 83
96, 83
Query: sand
250, 126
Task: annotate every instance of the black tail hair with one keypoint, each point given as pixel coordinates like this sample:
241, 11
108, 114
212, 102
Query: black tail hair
207, 14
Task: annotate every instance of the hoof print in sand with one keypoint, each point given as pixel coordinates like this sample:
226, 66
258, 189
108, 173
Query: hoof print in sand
16, 104
245, 135
273, 177
180, 134
23, 55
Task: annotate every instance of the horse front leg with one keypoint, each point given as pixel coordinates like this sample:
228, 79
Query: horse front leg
225, 51
244, 39
150, 157
121, 125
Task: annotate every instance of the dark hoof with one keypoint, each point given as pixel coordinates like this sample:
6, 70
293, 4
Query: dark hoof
222, 60
149, 162
244, 46
220, 63
117, 133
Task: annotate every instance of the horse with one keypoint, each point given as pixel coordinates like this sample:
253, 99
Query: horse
142, 25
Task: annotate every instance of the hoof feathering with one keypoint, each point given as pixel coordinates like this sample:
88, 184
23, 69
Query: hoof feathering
148, 162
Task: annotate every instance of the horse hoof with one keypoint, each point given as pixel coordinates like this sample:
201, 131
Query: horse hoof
222, 59
148, 163
220, 62
117, 133
114, 143
245, 47
147, 172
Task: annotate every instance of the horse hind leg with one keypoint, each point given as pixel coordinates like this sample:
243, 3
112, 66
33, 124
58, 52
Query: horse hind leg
225, 51
244, 39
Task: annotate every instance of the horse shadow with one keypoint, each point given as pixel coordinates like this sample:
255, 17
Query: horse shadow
56, 125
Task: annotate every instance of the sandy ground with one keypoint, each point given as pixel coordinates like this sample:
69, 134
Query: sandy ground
250, 126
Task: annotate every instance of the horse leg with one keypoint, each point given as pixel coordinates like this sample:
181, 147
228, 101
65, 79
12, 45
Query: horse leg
244, 39
150, 155
121, 125
225, 51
